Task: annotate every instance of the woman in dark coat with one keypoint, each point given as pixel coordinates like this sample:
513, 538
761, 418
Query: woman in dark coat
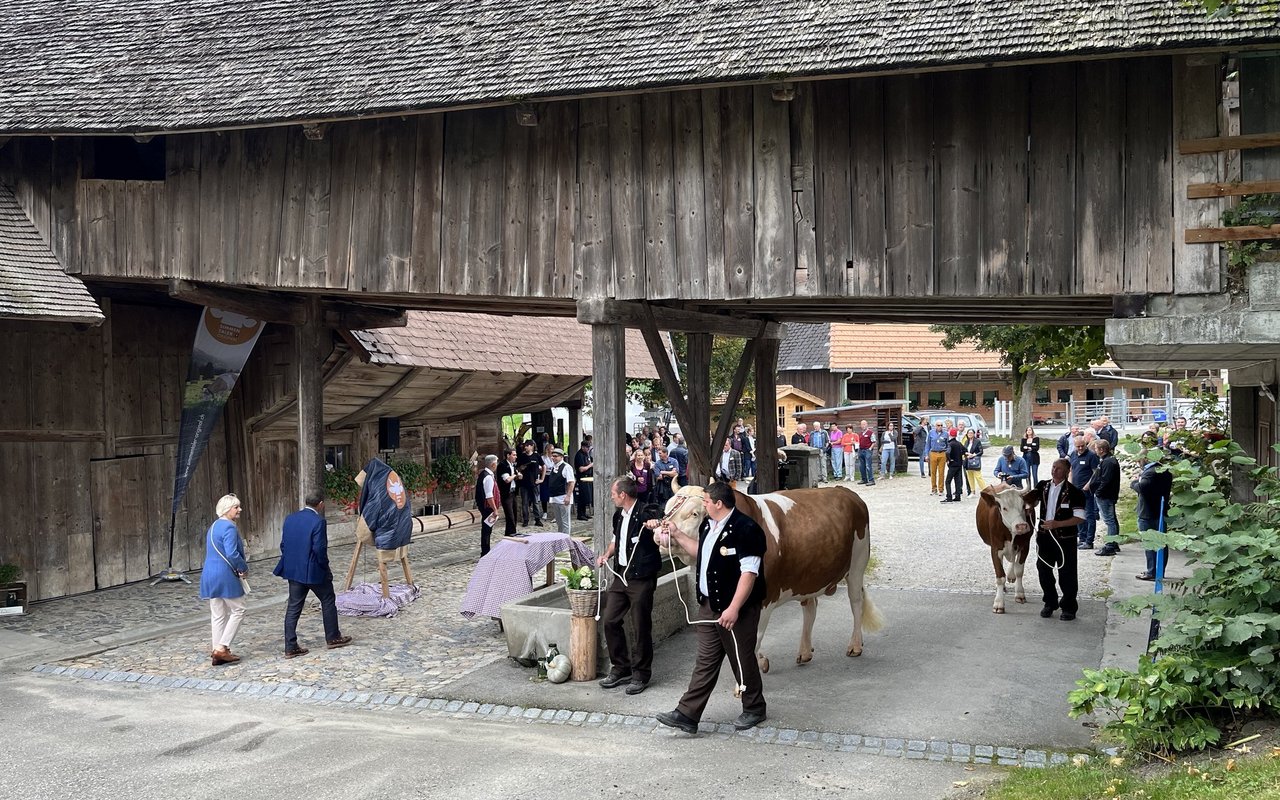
1031, 453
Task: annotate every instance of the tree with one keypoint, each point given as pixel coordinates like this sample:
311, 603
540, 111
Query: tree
1028, 350
726, 352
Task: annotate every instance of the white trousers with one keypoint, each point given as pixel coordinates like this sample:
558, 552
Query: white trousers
226, 613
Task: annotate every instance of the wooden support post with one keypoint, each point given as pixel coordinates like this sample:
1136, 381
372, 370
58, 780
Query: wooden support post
766, 358
309, 340
575, 431
699, 454
730, 411
608, 386
355, 559
697, 428
583, 647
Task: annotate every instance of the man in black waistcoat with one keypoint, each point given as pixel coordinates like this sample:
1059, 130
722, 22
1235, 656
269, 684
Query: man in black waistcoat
584, 468
1062, 509
638, 562
530, 465
488, 501
509, 487
730, 565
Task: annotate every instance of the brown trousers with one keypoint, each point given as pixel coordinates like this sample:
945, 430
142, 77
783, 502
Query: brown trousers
714, 643
636, 597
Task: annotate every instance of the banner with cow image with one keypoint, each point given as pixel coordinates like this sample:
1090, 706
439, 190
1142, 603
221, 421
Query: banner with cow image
224, 340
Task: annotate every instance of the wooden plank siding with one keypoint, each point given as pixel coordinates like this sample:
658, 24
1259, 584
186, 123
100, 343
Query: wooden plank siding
1011, 181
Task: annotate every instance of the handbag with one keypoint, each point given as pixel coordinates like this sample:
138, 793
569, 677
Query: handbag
244, 583
973, 462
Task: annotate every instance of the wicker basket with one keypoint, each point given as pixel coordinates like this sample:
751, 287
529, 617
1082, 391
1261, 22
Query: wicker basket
582, 602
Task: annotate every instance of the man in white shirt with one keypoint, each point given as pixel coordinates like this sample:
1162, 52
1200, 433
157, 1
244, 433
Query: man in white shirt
631, 588
560, 490
1062, 510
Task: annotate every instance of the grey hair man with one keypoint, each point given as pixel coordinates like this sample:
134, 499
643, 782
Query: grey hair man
488, 501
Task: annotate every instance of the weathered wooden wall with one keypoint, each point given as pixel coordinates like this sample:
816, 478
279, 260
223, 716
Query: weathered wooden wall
1040, 180
87, 451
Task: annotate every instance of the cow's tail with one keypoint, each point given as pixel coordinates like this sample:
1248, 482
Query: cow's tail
872, 620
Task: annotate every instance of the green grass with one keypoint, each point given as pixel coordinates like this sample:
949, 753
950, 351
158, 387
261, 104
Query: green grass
1252, 779
1001, 441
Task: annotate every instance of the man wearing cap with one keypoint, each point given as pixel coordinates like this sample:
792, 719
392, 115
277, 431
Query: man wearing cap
1011, 468
560, 490
955, 467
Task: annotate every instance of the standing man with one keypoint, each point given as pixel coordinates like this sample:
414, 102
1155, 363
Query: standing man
631, 589
801, 436
509, 488
665, 469
488, 501
866, 444
1066, 442
835, 442
822, 441
530, 465
1104, 485
680, 454
730, 467
730, 548
584, 467
955, 467
1107, 431
1083, 462
304, 563
1153, 487
1061, 511
937, 457
560, 490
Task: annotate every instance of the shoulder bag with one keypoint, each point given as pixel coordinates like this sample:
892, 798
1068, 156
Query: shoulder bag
244, 583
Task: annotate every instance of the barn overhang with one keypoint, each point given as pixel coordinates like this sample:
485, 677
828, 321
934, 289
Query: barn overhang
33, 285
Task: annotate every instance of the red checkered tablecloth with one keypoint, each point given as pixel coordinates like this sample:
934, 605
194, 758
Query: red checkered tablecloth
506, 572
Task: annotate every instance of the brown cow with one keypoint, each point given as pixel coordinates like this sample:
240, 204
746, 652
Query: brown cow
814, 538
1004, 523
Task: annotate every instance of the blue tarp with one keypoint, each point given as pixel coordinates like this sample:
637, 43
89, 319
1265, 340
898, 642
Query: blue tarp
384, 506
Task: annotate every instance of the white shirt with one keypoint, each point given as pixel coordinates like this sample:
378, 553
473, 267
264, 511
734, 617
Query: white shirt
1051, 502
724, 463
624, 531
488, 484
745, 563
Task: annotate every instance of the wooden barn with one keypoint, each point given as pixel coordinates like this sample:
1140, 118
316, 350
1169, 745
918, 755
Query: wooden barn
707, 167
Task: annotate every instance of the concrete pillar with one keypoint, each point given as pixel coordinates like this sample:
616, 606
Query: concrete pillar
609, 410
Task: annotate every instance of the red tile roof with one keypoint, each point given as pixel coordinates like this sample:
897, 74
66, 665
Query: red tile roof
901, 347
487, 342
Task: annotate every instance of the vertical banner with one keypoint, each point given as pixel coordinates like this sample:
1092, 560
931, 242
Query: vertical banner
224, 340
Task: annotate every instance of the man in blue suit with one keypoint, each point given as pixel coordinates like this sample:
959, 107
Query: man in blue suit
304, 562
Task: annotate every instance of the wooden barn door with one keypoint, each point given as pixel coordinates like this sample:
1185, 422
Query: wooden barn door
122, 496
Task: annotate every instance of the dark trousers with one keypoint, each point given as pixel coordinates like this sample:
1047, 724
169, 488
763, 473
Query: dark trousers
1060, 551
1086, 530
486, 534
968, 489
529, 498
866, 473
954, 483
328, 611
586, 496
509, 511
714, 643
637, 598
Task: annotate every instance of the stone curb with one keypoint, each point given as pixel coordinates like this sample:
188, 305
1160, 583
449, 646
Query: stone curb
828, 741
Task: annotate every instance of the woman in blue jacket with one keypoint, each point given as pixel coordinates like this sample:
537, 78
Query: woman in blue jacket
220, 583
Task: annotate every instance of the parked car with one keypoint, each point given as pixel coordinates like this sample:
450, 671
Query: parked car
972, 419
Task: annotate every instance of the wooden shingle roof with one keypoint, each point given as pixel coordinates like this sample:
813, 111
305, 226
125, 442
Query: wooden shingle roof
33, 285
170, 65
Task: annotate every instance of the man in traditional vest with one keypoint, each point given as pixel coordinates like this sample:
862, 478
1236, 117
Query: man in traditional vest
631, 588
1061, 512
488, 502
584, 470
560, 490
509, 487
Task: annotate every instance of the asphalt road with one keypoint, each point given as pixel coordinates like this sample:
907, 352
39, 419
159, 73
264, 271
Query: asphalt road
68, 739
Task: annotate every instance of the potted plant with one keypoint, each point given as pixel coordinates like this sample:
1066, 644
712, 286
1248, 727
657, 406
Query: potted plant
451, 472
13, 592
581, 587
340, 489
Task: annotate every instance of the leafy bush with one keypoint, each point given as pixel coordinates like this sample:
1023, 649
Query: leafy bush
1216, 657
413, 475
451, 472
340, 486
9, 573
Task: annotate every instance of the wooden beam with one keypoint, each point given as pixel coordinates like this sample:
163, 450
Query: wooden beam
279, 308
608, 387
1236, 233
1200, 191
766, 415
698, 450
370, 410
58, 436
262, 421
735, 393
496, 404
1217, 144
357, 317
550, 400
603, 311
698, 378
308, 339
448, 392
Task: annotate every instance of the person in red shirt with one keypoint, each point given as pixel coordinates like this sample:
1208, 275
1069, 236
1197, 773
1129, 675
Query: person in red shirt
866, 445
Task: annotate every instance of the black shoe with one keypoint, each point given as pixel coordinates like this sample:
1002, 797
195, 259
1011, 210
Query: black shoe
948, 500
615, 679
747, 720
1107, 550
1047, 611
583, 519
637, 686
1067, 616
674, 719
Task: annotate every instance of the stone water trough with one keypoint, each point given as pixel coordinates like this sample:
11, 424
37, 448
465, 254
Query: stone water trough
536, 620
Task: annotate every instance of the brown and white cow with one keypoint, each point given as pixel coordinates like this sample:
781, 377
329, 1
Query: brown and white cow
1004, 523
814, 538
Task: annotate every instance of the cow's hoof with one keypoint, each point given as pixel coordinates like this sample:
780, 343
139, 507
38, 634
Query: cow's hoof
999, 610
853, 653
1022, 600
804, 659
764, 664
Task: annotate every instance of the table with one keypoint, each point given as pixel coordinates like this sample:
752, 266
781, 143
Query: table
506, 572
